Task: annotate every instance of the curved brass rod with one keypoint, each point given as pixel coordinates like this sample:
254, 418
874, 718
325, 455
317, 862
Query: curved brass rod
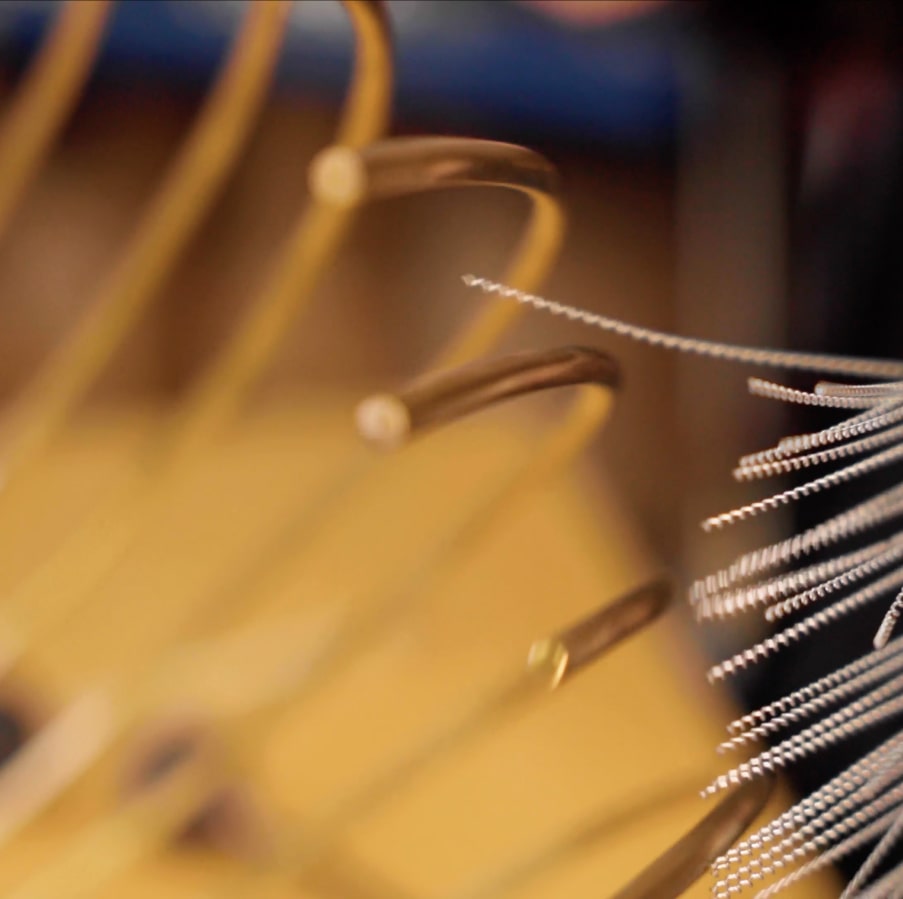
84, 560
551, 662
51, 88
305, 254
379, 171
88, 554
38, 602
342, 178
406, 165
175, 214
675, 871
369, 101
389, 420
679, 867
444, 397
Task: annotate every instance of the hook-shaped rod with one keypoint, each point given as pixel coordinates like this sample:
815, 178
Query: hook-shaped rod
406, 165
308, 250
38, 603
341, 179
445, 397
94, 549
190, 186
84, 560
680, 866
390, 420
551, 662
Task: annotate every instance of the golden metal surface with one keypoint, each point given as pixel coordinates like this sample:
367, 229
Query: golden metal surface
178, 208
49, 92
388, 421
405, 165
673, 872
256, 338
253, 680
84, 559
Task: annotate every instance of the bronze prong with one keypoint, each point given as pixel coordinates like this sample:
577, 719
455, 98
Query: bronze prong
50, 90
390, 420
346, 177
593, 636
679, 867
176, 212
407, 165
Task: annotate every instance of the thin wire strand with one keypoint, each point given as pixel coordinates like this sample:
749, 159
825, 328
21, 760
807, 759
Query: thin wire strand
814, 362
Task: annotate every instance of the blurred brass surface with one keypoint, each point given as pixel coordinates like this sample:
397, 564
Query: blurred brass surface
635, 732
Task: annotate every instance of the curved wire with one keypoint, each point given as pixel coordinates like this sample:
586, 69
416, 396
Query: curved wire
343, 178
407, 165
679, 867
86, 556
48, 94
444, 398
175, 214
441, 398
38, 603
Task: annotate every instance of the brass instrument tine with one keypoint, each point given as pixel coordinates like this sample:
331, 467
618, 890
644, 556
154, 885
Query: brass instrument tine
585, 641
679, 867
457, 392
190, 187
49, 91
416, 164
303, 256
369, 101
405, 165
223, 126
550, 663
388, 421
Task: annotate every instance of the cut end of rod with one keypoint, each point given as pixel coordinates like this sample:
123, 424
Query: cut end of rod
338, 176
383, 421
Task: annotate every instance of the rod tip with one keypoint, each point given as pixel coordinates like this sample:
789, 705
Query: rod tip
549, 658
383, 420
338, 175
